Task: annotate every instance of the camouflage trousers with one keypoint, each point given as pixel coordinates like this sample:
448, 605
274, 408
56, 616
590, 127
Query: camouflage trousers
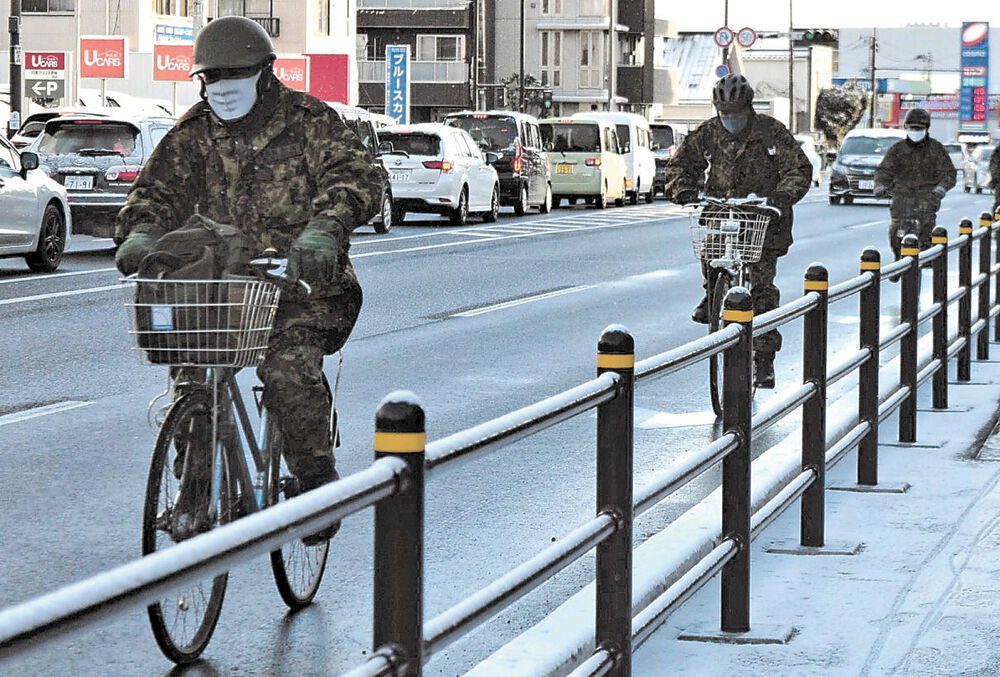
765, 297
921, 227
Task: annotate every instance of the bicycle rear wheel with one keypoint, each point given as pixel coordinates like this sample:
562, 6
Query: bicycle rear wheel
723, 283
183, 620
298, 568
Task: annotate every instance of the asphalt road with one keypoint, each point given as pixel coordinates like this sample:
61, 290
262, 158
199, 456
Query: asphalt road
476, 321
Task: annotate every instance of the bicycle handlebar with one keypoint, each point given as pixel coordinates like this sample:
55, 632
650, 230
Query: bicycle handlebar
271, 266
749, 201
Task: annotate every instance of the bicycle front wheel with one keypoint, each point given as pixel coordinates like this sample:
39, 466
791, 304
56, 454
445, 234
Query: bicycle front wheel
184, 619
298, 568
723, 283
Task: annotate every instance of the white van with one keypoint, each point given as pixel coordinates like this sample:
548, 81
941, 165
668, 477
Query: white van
640, 163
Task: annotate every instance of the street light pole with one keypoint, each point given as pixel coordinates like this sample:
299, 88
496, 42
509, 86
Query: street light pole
725, 22
791, 71
520, 98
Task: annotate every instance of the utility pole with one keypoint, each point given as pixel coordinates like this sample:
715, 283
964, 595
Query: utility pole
871, 67
14, 27
520, 98
725, 22
197, 17
791, 72
613, 48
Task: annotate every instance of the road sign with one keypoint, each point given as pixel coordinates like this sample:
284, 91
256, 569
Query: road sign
724, 37
46, 89
103, 56
746, 37
721, 71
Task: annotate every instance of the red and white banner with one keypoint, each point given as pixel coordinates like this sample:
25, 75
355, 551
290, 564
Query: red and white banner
173, 62
103, 56
293, 71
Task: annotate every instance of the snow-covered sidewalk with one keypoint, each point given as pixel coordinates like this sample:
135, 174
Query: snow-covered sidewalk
921, 596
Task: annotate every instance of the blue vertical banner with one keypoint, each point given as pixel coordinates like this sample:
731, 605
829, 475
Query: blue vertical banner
974, 66
397, 83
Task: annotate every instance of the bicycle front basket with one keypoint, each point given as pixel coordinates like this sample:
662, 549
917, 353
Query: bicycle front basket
209, 323
726, 232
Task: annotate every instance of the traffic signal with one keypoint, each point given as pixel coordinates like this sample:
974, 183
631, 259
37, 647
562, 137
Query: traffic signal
547, 99
820, 36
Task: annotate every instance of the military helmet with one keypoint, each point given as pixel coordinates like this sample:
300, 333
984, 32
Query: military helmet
231, 42
732, 93
917, 117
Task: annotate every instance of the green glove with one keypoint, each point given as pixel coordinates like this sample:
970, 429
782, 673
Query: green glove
132, 251
313, 257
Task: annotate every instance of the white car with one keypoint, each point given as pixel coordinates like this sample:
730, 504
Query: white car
438, 169
808, 145
35, 221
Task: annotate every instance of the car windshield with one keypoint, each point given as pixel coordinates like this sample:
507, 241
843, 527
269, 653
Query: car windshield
867, 145
31, 129
90, 136
664, 136
983, 153
953, 147
488, 133
413, 144
573, 138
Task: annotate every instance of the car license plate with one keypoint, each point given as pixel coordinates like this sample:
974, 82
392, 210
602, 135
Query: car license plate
401, 175
564, 169
866, 185
79, 182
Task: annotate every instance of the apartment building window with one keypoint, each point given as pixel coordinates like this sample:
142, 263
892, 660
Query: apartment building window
551, 6
593, 8
47, 6
323, 16
172, 7
440, 48
551, 58
591, 59
249, 8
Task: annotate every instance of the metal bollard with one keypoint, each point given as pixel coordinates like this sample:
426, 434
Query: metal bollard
985, 256
908, 307
737, 371
964, 363
939, 269
399, 535
868, 338
613, 622
814, 358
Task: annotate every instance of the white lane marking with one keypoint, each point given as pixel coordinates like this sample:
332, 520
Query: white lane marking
41, 411
75, 292
520, 302
51, 276
868, 224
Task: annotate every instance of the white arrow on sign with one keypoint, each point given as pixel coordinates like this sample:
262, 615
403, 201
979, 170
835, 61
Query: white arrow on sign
47, 88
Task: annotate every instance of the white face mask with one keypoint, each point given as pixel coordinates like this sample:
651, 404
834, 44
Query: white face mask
916, 136
232, 99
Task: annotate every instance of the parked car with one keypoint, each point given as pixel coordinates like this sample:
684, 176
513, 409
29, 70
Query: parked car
367, 125
852, 175
633, 138
97, 159
34, 124
37, 222
956, 154
586, 160
525, 179
976, 170
808, 145
438, 169
665, 139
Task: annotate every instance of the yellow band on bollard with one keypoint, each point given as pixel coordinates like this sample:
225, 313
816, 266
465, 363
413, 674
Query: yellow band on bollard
816, 285
939, 240
737, 315
615, 361
909, 251
965, 230
400, 443
985, 222
871, 265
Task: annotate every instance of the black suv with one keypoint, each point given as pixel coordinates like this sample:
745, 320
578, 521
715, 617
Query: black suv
523, 167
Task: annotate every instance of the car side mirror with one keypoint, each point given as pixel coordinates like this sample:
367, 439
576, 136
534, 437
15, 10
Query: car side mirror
831, 155
29, 161
385, 147
491, 157
655, 146
548, 146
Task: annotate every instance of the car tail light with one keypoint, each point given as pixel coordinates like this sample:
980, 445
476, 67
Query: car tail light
443, 165
629, 183
592, 162
479, 116
518, 164
122, 174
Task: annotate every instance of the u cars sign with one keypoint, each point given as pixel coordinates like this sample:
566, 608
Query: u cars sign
293, 71
103, 56
173, 62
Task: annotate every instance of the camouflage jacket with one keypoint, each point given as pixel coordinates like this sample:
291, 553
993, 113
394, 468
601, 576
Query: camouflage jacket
765, 159
302, 166
995, 174
910, 171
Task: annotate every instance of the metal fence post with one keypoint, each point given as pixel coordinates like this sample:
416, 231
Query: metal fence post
985, 260
613, 622
964, 364
869, 309
737, 372
908, 306
939, 268
814, 342
399, 535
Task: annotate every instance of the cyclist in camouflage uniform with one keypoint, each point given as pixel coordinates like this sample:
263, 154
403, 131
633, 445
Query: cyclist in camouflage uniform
744, 152
917, 172
995, 179
284, 169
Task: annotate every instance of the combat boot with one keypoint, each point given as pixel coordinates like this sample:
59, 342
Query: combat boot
324, 475
763, 371
701, 311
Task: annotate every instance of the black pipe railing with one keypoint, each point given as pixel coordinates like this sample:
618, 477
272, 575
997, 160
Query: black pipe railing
402, 640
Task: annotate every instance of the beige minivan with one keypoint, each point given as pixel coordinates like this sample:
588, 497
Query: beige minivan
586, 160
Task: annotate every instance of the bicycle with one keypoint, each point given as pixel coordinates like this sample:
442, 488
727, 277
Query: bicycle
214, 328
727, 236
